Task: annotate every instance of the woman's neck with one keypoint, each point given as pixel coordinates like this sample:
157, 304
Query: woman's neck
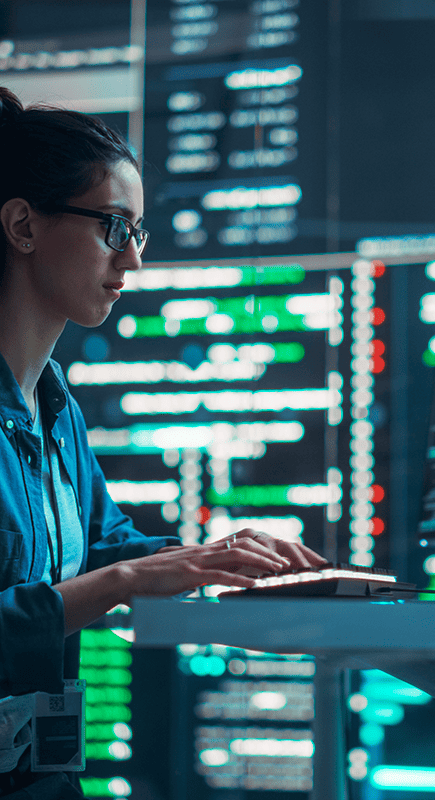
26, 343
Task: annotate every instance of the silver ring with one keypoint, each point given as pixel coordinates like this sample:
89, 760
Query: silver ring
227, 542
234, 538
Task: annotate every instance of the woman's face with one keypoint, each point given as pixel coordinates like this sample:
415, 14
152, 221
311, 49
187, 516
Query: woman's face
74, 273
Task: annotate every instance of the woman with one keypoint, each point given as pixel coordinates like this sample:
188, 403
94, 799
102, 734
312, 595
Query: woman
71, 204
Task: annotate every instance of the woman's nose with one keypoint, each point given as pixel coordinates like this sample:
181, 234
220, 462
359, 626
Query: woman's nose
129, 258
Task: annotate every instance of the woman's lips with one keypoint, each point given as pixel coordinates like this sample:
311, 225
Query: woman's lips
114, 289
115, 285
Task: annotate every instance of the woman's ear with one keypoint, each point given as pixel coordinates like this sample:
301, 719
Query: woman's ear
15, 217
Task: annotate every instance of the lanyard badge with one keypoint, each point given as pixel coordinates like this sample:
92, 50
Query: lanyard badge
58, 730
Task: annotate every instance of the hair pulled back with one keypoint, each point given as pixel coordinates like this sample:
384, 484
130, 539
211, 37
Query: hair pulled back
49, 154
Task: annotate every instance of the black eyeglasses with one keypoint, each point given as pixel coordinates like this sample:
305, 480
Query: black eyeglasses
119, 231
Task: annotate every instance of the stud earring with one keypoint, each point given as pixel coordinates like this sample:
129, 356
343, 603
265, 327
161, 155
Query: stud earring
25, 245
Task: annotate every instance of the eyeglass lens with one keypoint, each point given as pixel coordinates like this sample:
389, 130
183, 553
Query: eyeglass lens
119, 236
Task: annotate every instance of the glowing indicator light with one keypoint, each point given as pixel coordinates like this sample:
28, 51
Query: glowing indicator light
377, 316
428, 358
207, 665
377, 365
122, 731
202, 515
429, 565
120, 751
357, 702
371, 734
377, 347
106, 787
378, 269
383, 713
120, 787
377, 493
377, 526
219, 323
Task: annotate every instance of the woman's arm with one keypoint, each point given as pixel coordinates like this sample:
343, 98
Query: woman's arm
229, 562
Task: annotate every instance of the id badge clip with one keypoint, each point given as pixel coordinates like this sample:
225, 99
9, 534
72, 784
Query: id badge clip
58, 730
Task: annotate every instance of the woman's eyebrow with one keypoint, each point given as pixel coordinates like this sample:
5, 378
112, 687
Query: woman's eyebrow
120, 209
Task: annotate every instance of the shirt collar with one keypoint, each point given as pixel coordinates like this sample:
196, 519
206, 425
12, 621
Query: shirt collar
14, 409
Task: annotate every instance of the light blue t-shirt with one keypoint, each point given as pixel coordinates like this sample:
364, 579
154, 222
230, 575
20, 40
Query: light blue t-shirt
71, 529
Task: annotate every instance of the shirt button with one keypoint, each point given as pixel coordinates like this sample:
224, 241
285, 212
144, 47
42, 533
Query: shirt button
29, 459
62, 442
9, 424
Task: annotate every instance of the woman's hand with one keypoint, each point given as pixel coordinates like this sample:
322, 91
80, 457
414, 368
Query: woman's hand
233, 561
297, 553
228, 562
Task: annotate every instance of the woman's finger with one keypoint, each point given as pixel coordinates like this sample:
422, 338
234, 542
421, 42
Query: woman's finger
240, 558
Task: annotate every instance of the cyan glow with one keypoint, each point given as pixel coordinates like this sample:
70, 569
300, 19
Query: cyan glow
388, 713
417, 779
371, 734
399, 692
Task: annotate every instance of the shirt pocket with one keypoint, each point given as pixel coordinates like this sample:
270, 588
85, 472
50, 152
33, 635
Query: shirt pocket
11, 545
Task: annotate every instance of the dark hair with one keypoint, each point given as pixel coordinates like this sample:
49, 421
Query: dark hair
49, 154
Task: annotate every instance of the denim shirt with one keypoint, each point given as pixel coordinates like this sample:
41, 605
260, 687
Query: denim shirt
31, 611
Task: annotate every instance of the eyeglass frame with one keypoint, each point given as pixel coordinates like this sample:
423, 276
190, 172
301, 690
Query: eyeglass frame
110, 218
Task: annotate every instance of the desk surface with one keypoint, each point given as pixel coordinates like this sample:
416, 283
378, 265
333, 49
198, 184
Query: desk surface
296, 625
396, 637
